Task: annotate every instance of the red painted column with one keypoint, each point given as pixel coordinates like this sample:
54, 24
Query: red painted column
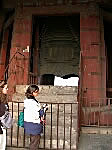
26, 44
3, 53
93, 74
21, 42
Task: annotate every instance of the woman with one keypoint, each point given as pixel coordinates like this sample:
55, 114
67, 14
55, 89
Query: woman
3, 107
33, 115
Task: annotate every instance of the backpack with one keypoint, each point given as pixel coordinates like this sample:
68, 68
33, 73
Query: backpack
21, 119
7, 120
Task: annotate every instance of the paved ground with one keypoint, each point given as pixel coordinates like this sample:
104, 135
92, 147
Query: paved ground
16, 149
90, 142
95, 142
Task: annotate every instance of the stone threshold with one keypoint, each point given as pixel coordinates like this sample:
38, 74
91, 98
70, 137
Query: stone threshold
96, 130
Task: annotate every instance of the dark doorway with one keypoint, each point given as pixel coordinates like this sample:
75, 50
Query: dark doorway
108, 46
58, 47
47, 79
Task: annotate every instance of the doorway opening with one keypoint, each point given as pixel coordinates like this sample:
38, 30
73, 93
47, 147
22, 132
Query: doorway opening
108, 46
58, 47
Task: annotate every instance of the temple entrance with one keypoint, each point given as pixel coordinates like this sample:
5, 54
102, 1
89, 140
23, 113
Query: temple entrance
55, 47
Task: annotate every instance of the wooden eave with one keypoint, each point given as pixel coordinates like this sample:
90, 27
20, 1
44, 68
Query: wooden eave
54, 10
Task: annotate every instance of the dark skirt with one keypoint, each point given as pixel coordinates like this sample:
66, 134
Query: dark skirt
33, 128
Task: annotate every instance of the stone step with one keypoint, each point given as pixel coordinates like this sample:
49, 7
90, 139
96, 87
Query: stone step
47, 98
52, 90
96, 130
52, 94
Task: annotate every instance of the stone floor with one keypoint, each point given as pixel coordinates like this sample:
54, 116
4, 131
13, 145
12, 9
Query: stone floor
95, 142
16, 148
89, 142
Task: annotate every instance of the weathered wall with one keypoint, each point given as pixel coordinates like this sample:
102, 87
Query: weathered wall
93, 74
93, 62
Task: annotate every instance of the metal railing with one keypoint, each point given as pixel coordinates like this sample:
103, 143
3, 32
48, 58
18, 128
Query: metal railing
33, 78
60, 132
97, 112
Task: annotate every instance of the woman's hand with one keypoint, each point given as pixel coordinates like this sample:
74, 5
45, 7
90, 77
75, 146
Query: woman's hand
43, 121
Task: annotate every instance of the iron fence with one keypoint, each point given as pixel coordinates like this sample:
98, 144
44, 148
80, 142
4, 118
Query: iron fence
33, 79
60, 132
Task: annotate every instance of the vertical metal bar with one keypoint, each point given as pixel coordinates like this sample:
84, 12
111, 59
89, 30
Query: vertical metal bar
57, 123
99, 116
23, 130
35, 80
30, 138
32, 79
18, 126
6, 130
24, 139
51, 129
70, 126
94, 117
44, 136
12, 127
89, 114
64, 129
109, 103
29, 78
6, 137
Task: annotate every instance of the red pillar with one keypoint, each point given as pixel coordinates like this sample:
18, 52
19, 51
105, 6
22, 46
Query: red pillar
21, 40
93, 74
3, 53
26, 43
